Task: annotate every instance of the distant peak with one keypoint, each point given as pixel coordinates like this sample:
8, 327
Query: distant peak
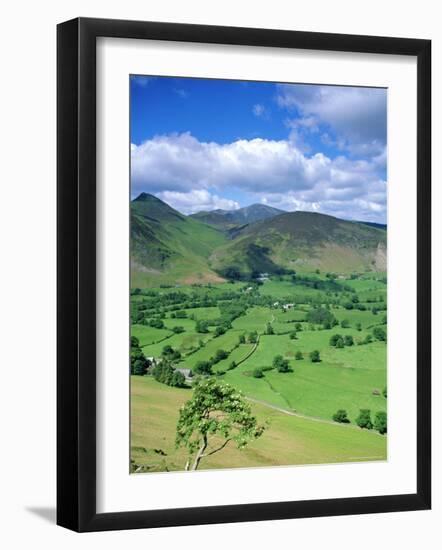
145, 197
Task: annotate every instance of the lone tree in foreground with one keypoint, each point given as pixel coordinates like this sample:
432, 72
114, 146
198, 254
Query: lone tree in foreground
216, 415
315, 356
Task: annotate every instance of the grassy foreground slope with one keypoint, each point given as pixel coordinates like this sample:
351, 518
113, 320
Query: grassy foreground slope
289, 440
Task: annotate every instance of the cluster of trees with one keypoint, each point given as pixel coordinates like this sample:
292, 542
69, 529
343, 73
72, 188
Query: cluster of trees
281, 364
138, 362
166, 374
339, 341
322, 316
364, 420
170, 354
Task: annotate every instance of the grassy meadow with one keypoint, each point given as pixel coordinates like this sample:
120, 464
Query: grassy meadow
260, 322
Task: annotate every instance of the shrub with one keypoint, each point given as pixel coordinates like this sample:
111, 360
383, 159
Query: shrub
281, 364
335, 339
178, 330
203, 367
219, 331
345, 323
380, 334
257, 373
269, 329
364, 419
348, 340
299, 355
380, 422
293, 335
341, 416
315, 356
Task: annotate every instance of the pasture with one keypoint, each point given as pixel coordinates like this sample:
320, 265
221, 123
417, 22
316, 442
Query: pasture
350, 377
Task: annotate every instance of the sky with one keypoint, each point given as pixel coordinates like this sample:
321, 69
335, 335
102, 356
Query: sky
201, 144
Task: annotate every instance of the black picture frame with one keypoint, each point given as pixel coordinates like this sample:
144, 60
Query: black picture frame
76, 273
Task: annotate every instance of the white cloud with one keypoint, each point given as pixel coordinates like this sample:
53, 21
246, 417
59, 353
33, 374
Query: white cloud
182, 93
265, 170
196, 200
357, 115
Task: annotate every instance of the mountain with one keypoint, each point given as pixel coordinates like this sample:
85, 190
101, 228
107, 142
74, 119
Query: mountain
167, 247
303, 241
227, 219
374, 224
170, 248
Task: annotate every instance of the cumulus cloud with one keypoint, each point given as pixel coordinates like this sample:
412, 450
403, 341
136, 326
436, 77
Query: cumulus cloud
192, 175
358, 116
196, 200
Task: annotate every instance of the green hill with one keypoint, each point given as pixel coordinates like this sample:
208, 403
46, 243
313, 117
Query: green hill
167, 247
170, 248
303, 241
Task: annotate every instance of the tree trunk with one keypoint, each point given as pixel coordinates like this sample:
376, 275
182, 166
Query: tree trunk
200, 453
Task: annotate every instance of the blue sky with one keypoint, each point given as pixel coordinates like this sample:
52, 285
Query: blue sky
202, 144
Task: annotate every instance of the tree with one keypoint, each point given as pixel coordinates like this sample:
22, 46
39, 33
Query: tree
315, 356
334, 339
219, 331
203, 367
293, 335
348, 340
232, 365
281, 364
202, 326
380, 334
257, 373
298, 327
178, 379
321, 316
220, 354
138, 363
364, 419
380, 422
345, 323
242, 339
299, 355
341, 416
216, 411
178, 329
358, 327
253, 337
269, 329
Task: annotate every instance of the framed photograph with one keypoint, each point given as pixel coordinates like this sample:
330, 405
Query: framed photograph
243, 274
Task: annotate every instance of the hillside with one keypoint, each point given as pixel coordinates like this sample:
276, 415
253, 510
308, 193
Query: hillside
228, 219
170, 248
167, 247
303, 241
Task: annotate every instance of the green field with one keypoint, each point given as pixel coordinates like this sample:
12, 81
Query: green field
287, 440
298, 405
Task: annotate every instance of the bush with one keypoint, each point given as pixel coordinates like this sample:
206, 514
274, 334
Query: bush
178, 330
202, 326
257, 373
281, 364
364, 419
203, 367
348, 340
380, 334
269, 329
293, 335
341, 416
335, 339
315, 356
299, 355
219, 331
345, 323
380, 422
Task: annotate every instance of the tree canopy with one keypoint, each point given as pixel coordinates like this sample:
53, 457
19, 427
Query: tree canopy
216, 415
